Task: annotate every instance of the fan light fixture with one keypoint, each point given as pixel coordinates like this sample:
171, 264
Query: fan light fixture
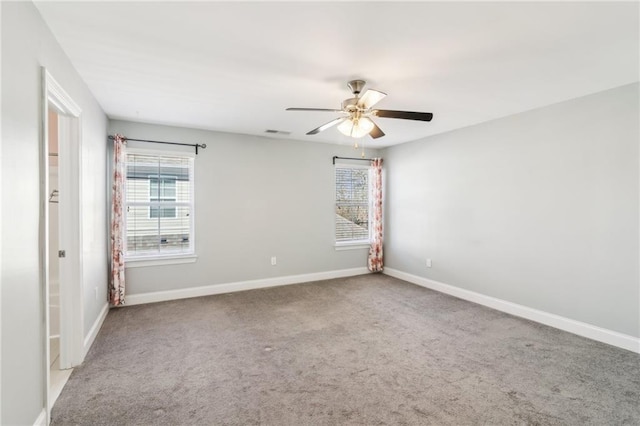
356, 127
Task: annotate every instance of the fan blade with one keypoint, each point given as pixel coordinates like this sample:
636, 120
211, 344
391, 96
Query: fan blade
406, 115
314, 109
376, 132
370, 98
327, 125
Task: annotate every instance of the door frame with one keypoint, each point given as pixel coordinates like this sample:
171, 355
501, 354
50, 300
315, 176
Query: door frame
70, 227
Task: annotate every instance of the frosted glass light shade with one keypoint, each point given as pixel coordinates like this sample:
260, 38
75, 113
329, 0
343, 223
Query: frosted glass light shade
356, 128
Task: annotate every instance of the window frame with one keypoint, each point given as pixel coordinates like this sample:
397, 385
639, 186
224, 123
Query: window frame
154, 259
352, 244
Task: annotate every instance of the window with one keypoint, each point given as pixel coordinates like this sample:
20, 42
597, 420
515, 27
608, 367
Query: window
159, 205
352, 204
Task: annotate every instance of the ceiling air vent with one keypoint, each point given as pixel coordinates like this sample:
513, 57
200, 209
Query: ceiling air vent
277, 132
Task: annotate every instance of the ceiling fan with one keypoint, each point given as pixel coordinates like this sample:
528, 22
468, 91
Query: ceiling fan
358, 112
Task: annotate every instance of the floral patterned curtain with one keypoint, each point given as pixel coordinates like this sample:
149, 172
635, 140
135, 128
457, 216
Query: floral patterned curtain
374, 261
116, 284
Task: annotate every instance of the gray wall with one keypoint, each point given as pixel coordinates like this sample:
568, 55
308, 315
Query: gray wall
539, 208
255, 197
27, 44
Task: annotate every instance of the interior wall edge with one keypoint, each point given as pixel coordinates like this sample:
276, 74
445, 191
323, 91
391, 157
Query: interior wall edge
579, 328
27, 46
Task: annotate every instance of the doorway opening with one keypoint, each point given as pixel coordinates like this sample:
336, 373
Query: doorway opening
57, 376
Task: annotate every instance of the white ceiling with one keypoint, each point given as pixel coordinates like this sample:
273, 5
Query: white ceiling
236, 66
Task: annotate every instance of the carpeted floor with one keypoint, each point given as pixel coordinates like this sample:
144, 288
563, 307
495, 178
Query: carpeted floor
363, 350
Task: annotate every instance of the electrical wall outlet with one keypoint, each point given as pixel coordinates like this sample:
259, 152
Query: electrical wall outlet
273, 261
428, 263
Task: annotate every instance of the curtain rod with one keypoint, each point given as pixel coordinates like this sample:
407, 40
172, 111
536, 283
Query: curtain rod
195, 145
350, 158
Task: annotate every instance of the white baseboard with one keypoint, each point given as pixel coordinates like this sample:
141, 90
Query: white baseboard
91, 336
161, 296
42, 419
589, 331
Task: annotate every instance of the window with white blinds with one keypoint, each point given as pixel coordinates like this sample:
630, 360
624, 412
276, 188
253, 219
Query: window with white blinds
353, 206
159, 205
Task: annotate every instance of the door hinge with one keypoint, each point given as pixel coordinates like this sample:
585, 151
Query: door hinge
62, 253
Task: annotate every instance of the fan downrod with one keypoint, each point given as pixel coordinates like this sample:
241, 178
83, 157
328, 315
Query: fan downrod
356, 86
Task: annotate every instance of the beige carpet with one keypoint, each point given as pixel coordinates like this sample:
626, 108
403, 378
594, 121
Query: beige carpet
364, 350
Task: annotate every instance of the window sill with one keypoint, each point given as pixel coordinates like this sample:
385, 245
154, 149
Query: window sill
352, 246
142, 262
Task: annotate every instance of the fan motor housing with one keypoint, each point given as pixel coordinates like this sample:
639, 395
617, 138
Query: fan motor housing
350, 104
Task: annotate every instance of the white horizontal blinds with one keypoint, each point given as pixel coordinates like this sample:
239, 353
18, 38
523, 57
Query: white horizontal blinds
352, 204
159, 202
